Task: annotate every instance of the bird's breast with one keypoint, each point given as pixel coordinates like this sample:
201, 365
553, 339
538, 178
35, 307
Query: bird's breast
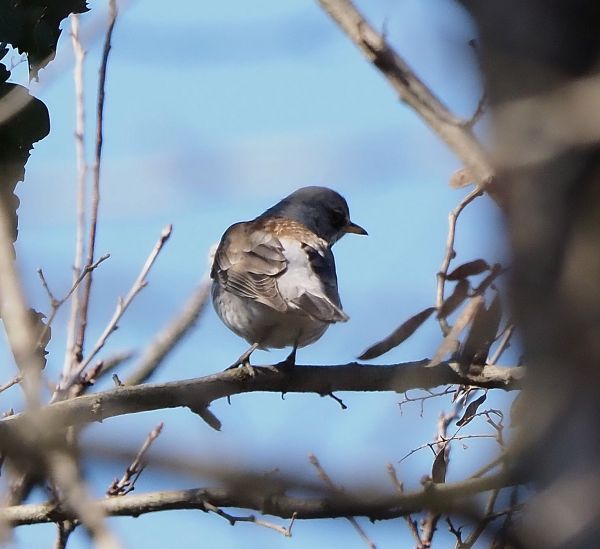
258, 323
299, 276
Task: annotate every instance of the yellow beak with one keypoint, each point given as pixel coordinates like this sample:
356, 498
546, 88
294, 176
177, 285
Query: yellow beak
354, 228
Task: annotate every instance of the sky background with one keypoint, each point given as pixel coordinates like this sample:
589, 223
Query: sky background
214, 112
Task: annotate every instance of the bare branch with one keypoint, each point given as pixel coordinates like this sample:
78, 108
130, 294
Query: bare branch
127, 482
102, 368
138, 285
411, 89
56, 304
322, 380
376, 507
173, 333
451, 253
504, 343
286, 531
16, 317
412, 524
331, 486
421, 399
95, 198
82, 169
64, 472
17, 379
443, 442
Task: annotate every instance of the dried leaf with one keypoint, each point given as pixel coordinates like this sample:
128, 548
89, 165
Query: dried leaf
451, 303
471, 268
399, 335
476, 347
471, 411
450, 343
439, 467
494, 273
460, 178
41, 331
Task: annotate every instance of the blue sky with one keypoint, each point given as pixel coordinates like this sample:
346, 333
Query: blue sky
215, 112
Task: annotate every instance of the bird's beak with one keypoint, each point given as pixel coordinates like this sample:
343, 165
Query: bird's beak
354, 228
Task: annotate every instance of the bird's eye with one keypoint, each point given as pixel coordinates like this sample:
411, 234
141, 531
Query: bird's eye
338, 218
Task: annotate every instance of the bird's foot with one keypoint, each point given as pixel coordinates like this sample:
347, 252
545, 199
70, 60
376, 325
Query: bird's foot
287, 364
244, 360
249, 369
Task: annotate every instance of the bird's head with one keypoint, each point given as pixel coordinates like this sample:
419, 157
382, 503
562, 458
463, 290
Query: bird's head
322, 210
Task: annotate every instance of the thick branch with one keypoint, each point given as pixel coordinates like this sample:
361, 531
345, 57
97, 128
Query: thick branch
332, 505
198, 393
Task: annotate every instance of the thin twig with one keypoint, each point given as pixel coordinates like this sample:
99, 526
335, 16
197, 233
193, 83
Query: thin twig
503, 532
412, 523
64, 473
500, 460
330, 484
480, 528
456, 532
479, 111
82, 170
101, 368
104, 367
429, 524
126, 484
503, 344
122, 305
17, 379
56, 304
422, 399
232, 519
95, 197
431, 445
166, 340
451, 253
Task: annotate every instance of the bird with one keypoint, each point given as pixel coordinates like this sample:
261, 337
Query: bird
274, 281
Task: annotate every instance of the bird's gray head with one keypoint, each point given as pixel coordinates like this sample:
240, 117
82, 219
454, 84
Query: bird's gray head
320, 209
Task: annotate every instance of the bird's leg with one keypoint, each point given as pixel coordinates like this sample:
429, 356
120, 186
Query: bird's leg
244, 360
290, 361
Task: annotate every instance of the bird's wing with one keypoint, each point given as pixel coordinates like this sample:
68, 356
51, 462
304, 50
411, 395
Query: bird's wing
323, 301
247, 263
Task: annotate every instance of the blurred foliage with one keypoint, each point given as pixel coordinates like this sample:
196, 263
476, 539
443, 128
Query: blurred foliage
32, 27
19, 130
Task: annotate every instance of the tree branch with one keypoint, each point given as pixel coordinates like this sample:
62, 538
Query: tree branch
95, 195
331, 505
139, 284
198, 393
166, 340
411, 89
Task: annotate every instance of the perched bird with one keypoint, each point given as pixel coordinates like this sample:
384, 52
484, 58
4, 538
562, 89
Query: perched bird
274, 280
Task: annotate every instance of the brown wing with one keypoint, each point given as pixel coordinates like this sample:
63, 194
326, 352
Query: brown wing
247, 263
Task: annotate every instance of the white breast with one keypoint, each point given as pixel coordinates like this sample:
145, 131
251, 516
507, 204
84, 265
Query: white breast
299, 276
